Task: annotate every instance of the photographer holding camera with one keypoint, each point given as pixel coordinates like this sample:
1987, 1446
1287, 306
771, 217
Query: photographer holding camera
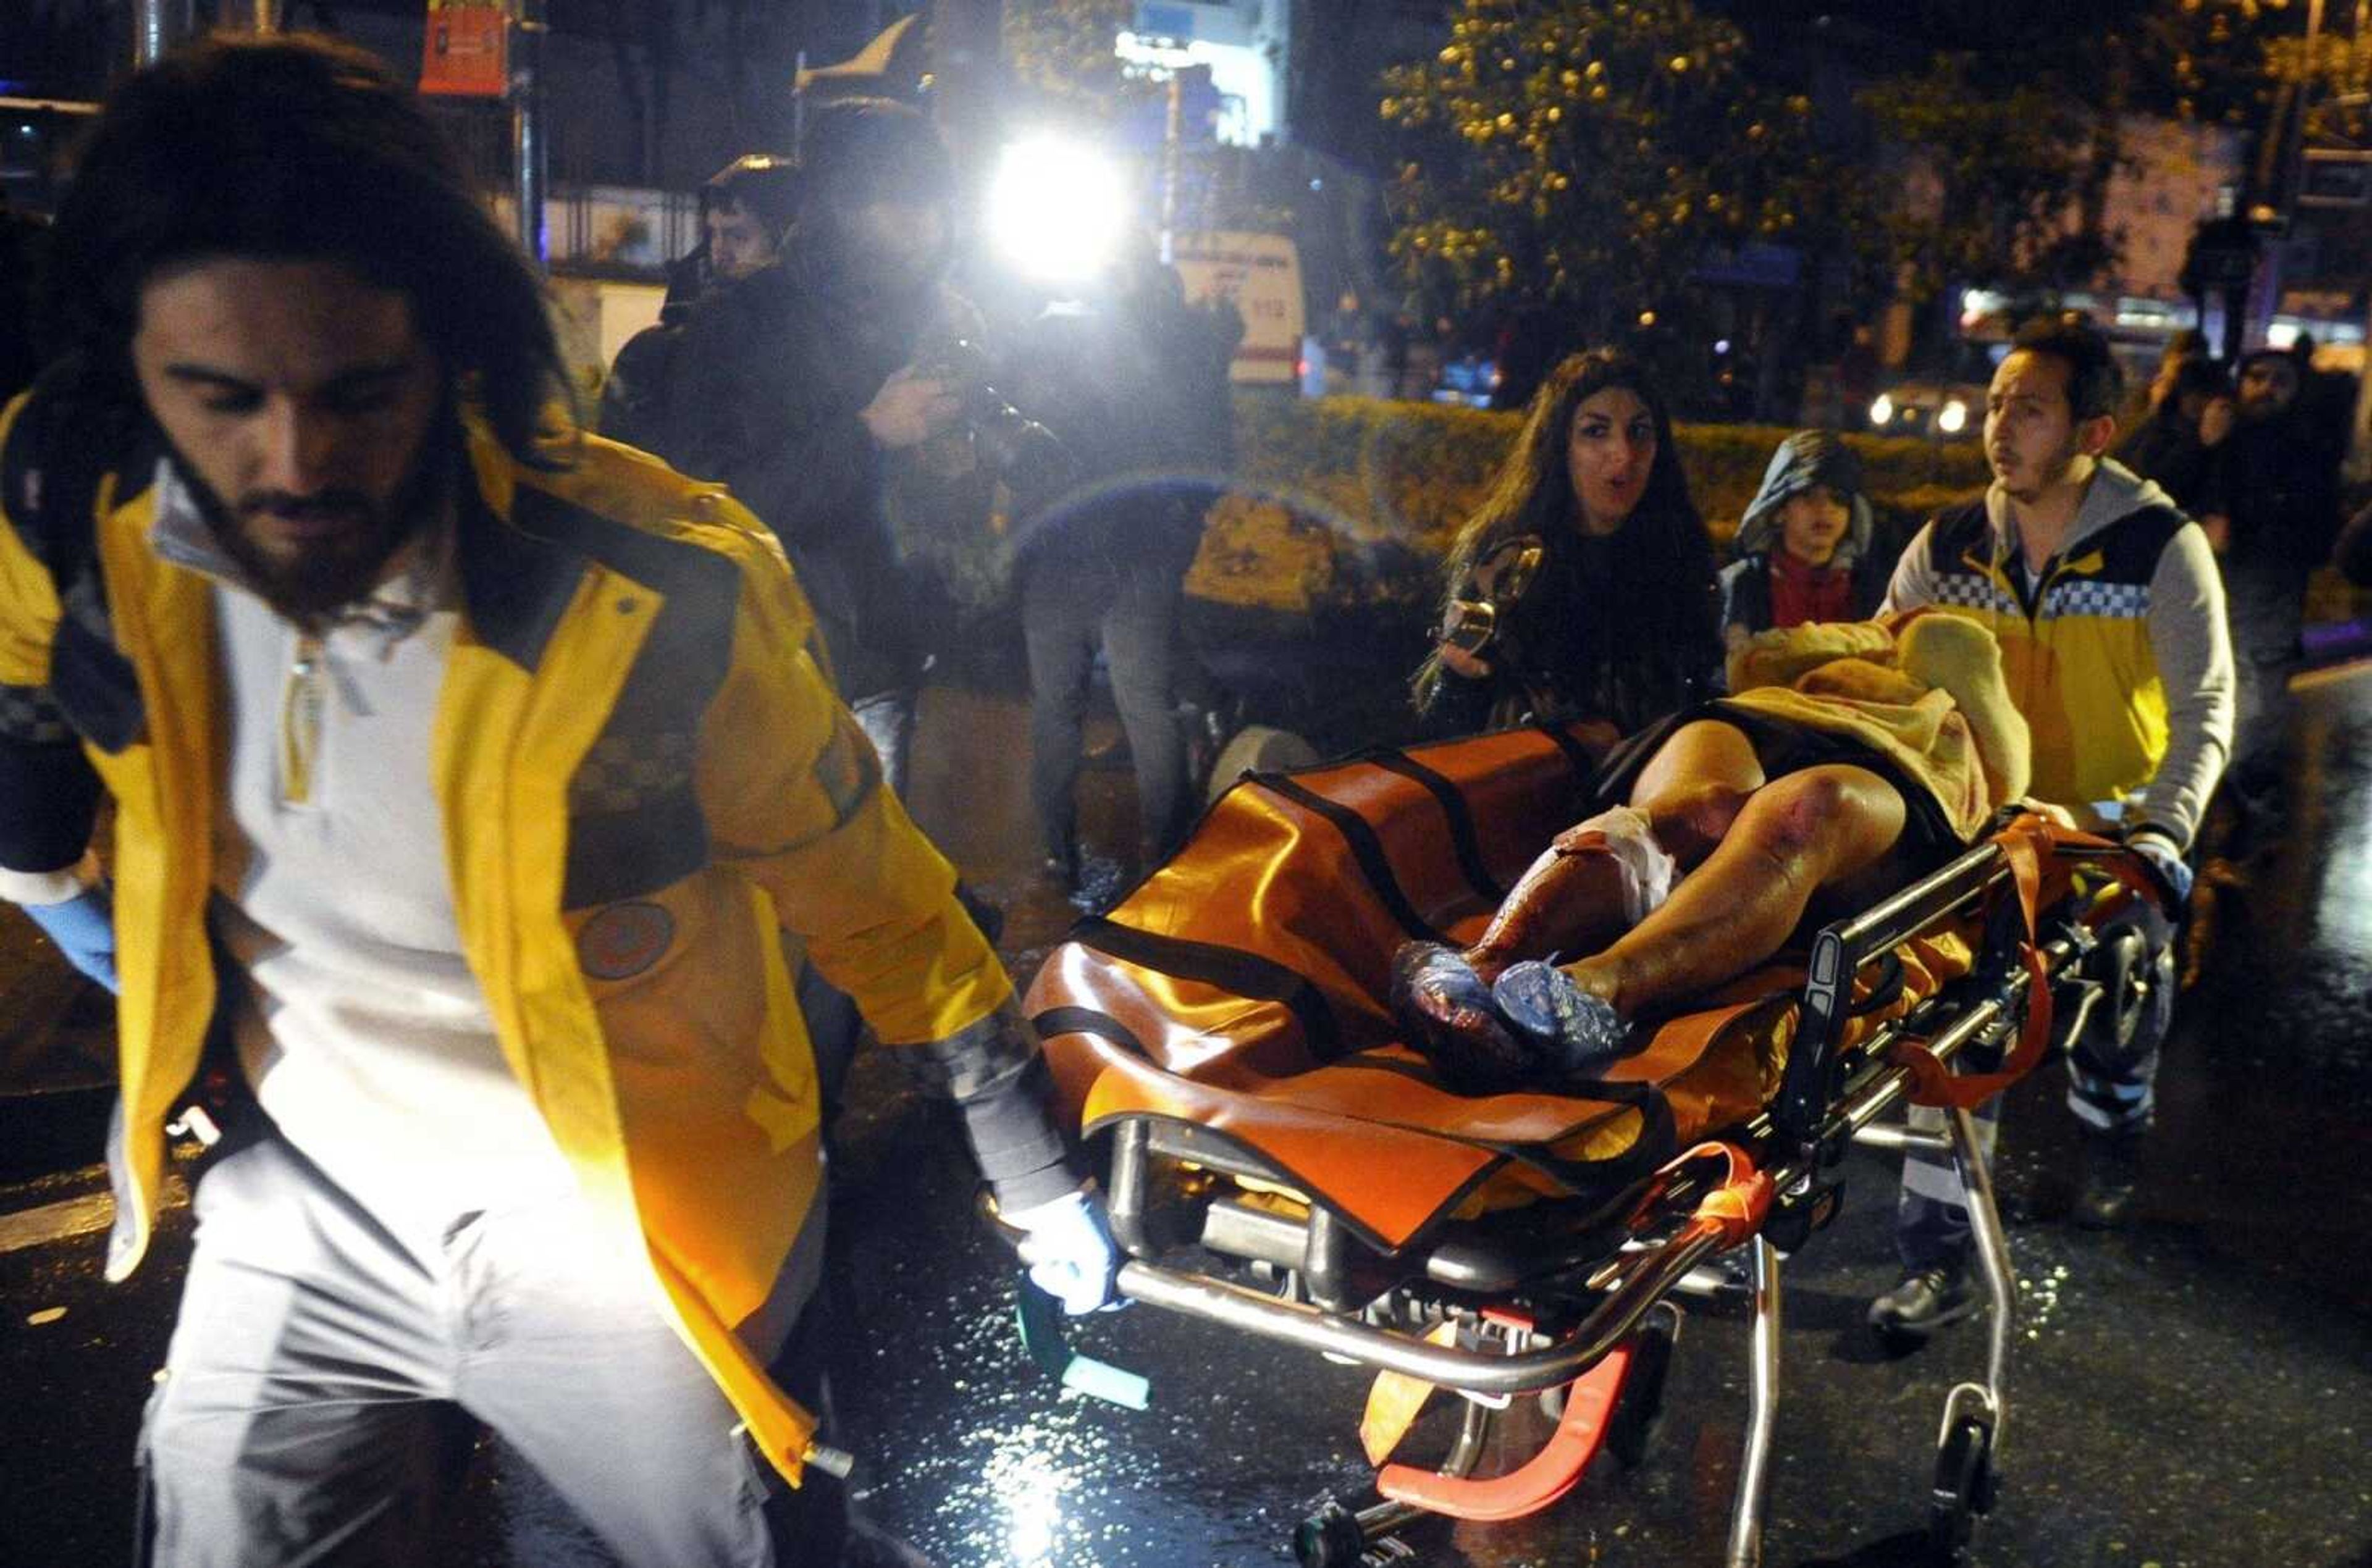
806, 389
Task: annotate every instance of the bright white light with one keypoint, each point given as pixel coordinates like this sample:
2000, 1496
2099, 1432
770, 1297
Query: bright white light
1881, 409
1953, 417
1030, 1485
1056, 209
1721, 346
2282, 334
1149, 51
1977, 304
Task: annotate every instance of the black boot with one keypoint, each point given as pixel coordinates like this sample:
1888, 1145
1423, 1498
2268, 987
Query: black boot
2112, 1167
1926, 1300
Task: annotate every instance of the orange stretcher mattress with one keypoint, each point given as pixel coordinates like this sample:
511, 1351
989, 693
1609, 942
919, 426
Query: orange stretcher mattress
1242, 988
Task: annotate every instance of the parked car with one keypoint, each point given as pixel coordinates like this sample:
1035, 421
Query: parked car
1471, 380
1949, 405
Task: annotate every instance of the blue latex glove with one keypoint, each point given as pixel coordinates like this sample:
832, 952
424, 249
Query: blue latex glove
1069, 1248
83, 929
2155, 846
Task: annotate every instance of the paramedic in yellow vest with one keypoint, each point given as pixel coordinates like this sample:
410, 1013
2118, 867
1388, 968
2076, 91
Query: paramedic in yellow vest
2109, 613
465, 772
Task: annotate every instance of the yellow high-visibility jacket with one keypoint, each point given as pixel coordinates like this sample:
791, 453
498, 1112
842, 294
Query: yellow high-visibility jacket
643, 774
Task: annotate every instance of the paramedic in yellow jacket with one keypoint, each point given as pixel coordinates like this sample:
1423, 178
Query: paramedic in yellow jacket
464, 774
2109, 612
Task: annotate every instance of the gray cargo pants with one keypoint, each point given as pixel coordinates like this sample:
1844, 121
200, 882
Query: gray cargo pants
319, 1369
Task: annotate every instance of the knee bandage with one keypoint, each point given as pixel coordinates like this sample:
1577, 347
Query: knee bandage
1628, 839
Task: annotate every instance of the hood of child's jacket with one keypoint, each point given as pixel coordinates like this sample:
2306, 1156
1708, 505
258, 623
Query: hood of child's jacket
1804, 460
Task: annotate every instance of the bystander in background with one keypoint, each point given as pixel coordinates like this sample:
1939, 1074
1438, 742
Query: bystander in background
2280, 484
1807, 549
2180, 443
1135, 386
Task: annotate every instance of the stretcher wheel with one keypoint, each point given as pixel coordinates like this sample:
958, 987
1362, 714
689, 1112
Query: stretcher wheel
1964, 1489
1329, 1539
2125, 972
1257, 748
1641, 1410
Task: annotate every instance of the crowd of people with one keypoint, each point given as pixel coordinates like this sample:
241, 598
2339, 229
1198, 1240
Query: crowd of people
484, 785
2101, 608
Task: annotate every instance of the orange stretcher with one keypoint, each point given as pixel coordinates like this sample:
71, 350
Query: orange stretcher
1276, 1161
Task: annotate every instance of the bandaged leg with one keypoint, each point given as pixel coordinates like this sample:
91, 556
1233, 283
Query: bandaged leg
1597, 879
1627, 835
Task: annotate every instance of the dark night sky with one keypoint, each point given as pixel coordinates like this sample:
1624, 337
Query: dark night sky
1935, 24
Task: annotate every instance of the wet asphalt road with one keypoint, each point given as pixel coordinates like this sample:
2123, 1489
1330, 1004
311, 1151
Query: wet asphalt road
2196, 1389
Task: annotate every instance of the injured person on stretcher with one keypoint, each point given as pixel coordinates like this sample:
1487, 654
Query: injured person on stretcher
1849, 760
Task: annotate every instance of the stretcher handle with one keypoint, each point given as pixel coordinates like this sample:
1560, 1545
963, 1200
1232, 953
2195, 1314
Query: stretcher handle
1809, 1084
1933, 1084
2024, 842
1548, 1475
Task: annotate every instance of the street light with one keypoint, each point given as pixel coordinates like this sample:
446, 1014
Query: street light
1056, 209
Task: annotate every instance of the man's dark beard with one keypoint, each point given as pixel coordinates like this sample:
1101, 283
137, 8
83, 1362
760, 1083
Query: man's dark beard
867, 282
330, 574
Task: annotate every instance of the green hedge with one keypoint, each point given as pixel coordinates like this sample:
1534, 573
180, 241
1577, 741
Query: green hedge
1348, 500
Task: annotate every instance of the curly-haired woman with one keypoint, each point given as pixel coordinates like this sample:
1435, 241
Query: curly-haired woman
1584, 586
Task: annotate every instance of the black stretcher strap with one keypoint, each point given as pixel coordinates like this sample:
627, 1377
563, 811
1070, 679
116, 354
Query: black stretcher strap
1092, 1021
1464, 842
1231, 970
1368, 850
1655, 1146
1577, 755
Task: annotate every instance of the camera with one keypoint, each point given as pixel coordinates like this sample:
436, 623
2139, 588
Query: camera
1499, 583
1016, 449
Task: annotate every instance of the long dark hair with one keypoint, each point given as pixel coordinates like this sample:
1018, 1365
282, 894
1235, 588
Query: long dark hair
1666, 620
295, 147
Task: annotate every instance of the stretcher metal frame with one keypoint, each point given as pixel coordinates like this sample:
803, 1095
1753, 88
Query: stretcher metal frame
1830, 1095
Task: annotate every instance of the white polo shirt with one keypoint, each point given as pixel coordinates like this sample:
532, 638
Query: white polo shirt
359, 1025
